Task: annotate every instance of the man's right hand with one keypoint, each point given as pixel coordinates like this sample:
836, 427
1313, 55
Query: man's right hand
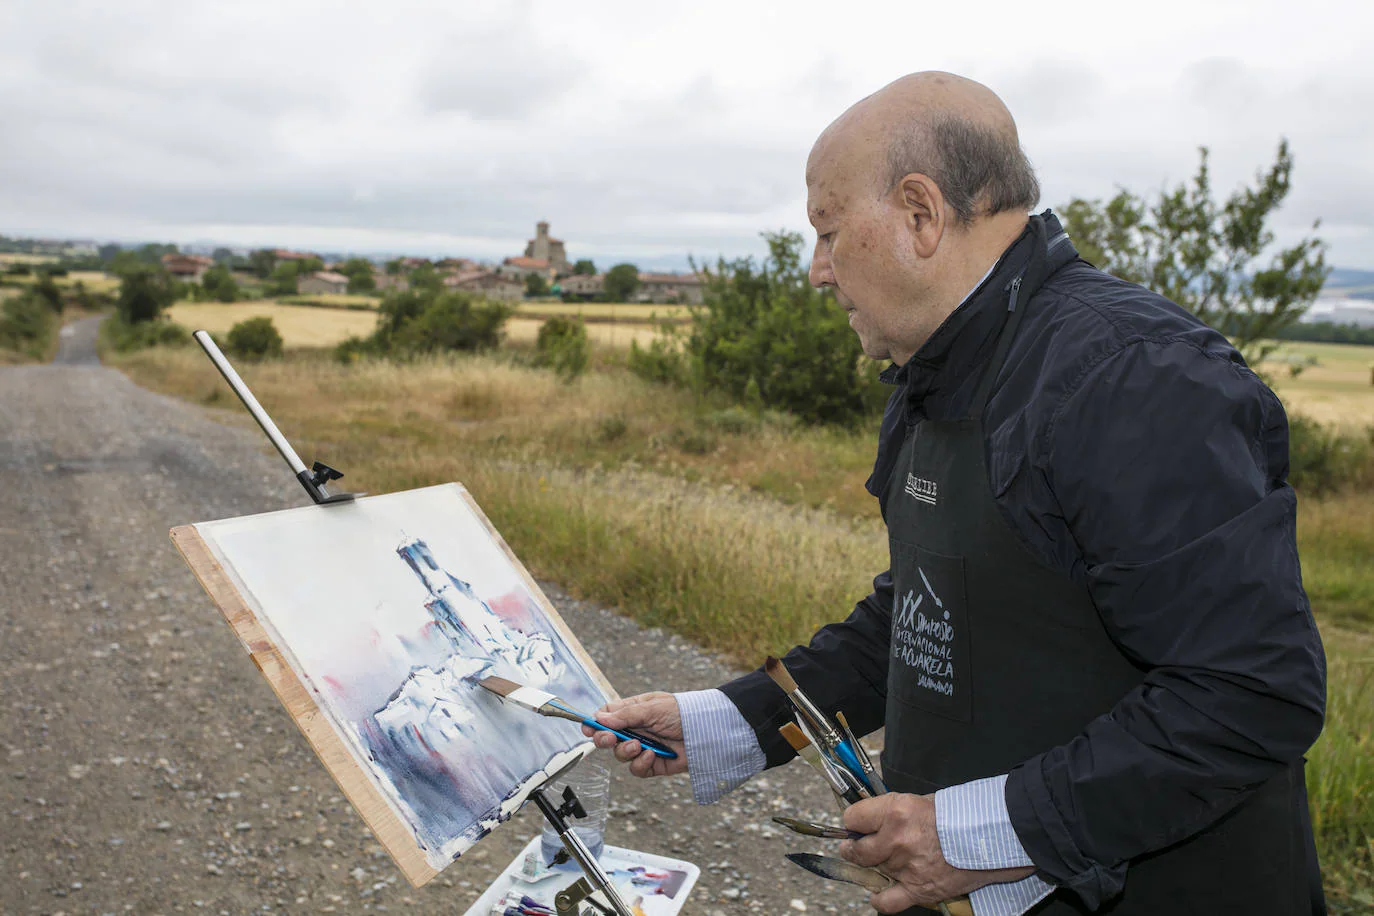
655, 714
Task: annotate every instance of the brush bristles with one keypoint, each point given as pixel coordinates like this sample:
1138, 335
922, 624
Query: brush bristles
499, 685
794, 737
780, 675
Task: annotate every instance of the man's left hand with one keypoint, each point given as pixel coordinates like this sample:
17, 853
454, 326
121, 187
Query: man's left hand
903, 844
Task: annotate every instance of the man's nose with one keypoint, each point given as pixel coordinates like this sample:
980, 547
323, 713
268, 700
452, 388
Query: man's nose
819, 274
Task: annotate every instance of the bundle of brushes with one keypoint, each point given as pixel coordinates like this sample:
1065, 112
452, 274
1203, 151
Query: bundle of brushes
832, 751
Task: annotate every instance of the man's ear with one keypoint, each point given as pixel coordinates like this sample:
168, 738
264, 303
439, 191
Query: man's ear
924, 208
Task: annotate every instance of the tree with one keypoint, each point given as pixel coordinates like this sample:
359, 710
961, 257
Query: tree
621, 282
536, 285
425, 277
223, 256
218, 284
765, 336
152, 252
584, 267
47, 292
284, 278
144, 291
262, 262
359, 273
1205, 255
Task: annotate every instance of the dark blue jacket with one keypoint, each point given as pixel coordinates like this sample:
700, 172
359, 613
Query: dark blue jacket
1131, 449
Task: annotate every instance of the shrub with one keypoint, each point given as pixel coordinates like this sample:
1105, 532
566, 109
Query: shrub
427, 320
254, 339
662, 361
90, 301
19, 269
454, 321
352, 349
123, 336
612, 428
144, 291
219, 285
562, 346
27, 324
48, 293
766, 336
1322, 459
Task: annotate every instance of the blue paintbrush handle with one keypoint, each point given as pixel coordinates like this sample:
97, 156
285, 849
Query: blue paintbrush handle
650, 743
852, 764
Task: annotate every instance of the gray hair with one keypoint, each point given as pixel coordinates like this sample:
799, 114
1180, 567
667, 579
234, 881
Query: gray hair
978, 168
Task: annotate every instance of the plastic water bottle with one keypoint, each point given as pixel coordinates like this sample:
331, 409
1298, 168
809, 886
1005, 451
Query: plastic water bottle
592, 783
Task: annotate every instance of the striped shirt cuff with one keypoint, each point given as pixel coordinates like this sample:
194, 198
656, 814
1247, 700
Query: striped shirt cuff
722, 750
976, 833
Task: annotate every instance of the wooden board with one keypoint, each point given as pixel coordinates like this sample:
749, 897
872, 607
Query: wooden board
319, 728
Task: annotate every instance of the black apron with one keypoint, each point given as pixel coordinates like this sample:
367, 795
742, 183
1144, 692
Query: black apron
996, 657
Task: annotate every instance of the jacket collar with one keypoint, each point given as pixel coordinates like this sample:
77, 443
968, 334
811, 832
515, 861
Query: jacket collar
949, 362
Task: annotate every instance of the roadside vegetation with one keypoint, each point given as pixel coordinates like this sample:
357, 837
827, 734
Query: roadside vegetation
33, 313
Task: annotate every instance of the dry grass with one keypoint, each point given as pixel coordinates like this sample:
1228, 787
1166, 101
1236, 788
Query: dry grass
18, 258
617, 336
633, 312
299, 325
1339, 390
338, 300
315, 326
96, 281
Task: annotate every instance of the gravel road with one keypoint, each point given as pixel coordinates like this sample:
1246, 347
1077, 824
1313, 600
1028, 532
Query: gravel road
145, 765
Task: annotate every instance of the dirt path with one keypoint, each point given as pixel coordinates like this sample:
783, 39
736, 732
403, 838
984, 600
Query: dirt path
145, 766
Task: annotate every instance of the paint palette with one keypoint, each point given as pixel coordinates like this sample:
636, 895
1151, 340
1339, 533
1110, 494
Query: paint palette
650, 885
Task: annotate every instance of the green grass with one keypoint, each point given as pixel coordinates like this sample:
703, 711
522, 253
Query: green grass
742, 531
1336, 543
1340, 778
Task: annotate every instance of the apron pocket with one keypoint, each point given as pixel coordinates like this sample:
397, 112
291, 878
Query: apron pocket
929, 667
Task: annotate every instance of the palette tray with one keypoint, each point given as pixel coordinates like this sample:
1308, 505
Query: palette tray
650, 885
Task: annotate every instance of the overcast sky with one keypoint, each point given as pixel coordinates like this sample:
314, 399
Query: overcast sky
641, 130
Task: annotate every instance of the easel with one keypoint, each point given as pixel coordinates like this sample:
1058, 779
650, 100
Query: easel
595, 881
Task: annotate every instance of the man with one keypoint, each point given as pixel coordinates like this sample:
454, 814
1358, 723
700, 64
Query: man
1092, 653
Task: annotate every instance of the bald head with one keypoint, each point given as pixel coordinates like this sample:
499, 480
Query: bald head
950, 128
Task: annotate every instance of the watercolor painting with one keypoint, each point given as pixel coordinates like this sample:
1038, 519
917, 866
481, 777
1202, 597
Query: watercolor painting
389, 610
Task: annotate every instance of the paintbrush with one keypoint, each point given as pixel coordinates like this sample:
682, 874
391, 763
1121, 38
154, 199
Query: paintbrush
809, 752
871, 879
870, 773
546, 704
851, 781
830, 738
824, 831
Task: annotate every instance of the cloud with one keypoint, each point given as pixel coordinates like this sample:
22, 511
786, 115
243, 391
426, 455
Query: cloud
629, 127
499, 71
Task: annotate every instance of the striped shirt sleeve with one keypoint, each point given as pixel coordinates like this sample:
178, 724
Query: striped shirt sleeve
975, 833
722, 751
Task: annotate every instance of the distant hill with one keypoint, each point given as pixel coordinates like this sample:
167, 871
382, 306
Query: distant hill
1347, 277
